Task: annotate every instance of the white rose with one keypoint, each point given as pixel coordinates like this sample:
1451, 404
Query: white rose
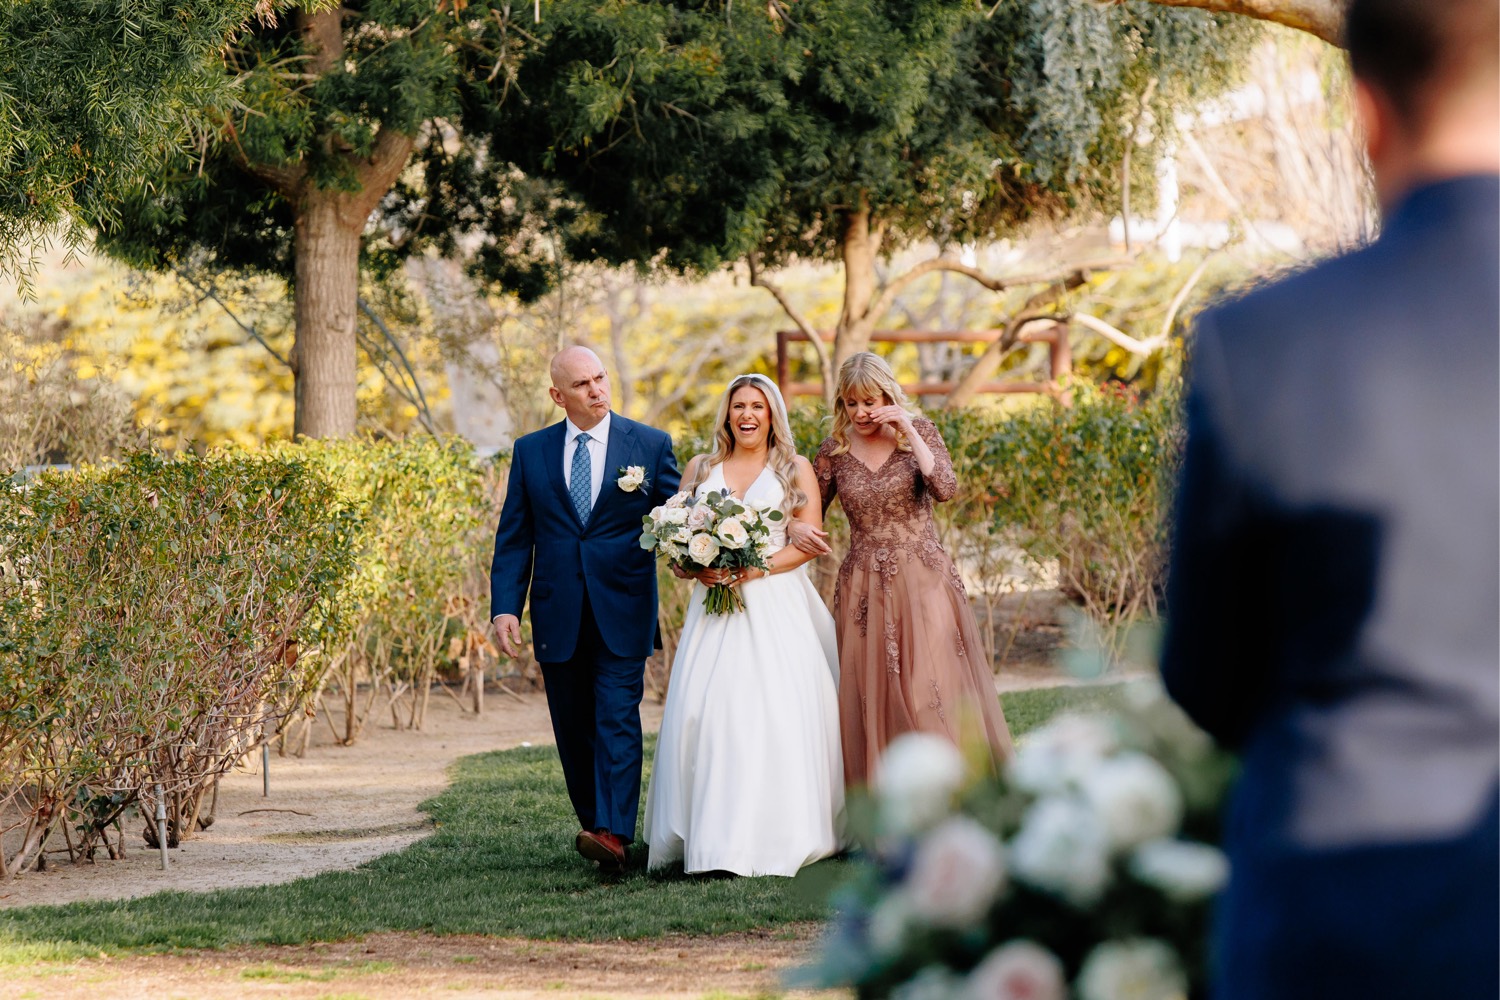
916, 781
1058, 755
733, 534
674, 515
933, 983
1141, 969
631, 479
958, 871
699, 515
1018, 970
1062, 848
682, 535
678, 500
1135, 797
1183, 869
703, 549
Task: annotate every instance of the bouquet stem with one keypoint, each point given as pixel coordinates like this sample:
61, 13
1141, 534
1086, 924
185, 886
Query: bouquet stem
723, 599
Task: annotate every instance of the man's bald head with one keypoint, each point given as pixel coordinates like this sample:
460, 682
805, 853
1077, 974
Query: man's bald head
580, 385
571, 362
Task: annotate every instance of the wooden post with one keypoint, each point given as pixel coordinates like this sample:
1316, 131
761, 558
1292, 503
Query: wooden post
161, 825
1061, 352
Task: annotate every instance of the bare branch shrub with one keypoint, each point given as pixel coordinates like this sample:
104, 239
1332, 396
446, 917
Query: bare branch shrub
157, 622
48, 413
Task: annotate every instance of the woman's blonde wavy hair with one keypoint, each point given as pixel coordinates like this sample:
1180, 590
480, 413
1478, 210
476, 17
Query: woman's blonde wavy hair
865, 374
781, 448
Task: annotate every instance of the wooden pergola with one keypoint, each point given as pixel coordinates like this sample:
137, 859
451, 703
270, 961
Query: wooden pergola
1054, 335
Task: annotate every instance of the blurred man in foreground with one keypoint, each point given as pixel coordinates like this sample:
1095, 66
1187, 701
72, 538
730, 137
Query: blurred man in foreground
1335, 586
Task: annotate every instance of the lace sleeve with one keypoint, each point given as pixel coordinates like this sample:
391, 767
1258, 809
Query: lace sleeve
943, 482
828, 486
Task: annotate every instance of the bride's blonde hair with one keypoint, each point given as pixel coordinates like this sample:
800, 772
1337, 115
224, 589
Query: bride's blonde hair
781, 450
865, 374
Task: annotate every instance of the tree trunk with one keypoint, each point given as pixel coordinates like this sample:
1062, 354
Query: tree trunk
861, 247
1323, 18
471, 352
329, 225
327, 298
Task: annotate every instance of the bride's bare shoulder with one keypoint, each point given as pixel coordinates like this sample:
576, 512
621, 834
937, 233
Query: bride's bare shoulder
695, 465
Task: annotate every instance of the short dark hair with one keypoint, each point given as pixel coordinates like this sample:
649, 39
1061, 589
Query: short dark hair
1413, 49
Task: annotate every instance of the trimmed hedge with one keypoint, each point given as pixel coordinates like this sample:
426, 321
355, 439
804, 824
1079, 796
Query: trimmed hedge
419, 594
1085, 488
157, 620
160, 619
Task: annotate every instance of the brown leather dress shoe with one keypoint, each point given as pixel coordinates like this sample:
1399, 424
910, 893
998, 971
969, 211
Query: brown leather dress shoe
603, 847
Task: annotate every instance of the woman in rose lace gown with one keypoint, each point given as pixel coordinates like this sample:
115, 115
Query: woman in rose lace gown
910, 656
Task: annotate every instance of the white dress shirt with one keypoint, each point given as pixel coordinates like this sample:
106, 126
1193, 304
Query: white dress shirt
598, 445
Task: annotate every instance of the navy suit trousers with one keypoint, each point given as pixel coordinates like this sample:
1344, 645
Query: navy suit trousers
595, 699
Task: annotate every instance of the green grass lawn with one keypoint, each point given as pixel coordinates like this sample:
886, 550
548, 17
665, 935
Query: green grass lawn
500, 861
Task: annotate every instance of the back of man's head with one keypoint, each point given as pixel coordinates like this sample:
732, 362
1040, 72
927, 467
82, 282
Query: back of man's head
1420, 52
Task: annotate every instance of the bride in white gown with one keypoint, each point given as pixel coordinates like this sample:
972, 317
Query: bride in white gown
748, 776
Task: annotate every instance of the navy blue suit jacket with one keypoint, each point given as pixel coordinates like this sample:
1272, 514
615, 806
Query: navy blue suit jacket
1332, 610
1332, 599
541, 548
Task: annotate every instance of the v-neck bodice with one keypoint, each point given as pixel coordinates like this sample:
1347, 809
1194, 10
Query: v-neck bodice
764, 490
889, 507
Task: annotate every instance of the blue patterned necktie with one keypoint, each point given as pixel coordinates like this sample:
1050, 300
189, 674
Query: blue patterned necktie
580, 485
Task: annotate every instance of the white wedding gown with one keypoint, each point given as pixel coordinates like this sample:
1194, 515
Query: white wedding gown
749, 774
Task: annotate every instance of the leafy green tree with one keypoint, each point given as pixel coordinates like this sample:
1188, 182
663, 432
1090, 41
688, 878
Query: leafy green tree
93, 95
332, 107
698, 134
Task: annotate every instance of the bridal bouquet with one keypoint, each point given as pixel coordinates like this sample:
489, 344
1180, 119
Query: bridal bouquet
716, 531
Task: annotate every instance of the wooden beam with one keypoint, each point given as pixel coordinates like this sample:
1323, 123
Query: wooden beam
927, 388
902, 336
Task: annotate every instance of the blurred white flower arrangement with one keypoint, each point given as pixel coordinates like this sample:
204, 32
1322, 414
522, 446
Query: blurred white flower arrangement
1085, 872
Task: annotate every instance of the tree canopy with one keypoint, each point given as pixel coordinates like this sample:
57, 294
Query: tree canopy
94, 94
331, 106
703, 133
684, 133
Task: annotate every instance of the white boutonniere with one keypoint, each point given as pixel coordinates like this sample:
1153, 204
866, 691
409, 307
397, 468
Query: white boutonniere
632, 478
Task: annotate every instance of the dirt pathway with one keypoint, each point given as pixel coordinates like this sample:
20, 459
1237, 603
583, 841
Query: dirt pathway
394, 966
335, 808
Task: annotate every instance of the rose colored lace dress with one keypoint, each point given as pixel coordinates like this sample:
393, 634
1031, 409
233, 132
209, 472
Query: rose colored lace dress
910, 656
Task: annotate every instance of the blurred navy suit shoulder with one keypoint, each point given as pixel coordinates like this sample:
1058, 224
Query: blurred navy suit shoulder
1334, 588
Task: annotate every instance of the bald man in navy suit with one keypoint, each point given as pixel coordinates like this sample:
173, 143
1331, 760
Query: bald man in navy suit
569, 537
